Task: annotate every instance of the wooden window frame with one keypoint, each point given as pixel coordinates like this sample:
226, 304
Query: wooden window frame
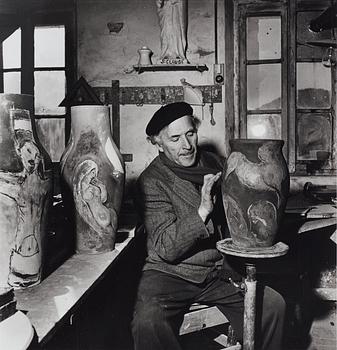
242, 12
27, 24
8, 21
287, 10
294, 8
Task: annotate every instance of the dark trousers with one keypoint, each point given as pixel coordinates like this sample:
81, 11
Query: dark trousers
163, 299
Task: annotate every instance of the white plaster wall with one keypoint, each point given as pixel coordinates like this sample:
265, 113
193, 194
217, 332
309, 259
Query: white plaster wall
103, 57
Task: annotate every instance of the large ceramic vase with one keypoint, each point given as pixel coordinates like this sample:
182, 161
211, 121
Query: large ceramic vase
255, 187
25, 193
92, 170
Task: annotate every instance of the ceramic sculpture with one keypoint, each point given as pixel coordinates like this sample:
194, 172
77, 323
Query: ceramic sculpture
25, 193
173, 27
93, 175
255, 187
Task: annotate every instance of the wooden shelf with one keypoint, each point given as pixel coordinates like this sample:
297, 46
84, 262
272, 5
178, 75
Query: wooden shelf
170, 67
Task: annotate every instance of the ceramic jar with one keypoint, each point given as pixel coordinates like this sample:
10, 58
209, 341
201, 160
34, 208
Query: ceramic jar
255, 187
92, 170
144, 56
26, 187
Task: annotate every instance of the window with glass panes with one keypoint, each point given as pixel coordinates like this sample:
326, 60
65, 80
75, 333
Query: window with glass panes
46, 75
285, 92
315, 96
11, 62
49, 87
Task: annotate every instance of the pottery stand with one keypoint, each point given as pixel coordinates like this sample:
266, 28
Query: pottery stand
226, 246
255, 186
25, 194
93, 176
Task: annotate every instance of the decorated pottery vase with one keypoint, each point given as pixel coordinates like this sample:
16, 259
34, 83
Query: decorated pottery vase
92, 170
26, 186
255, 186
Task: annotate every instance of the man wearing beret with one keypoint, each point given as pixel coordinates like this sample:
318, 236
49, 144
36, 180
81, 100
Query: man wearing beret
180, 205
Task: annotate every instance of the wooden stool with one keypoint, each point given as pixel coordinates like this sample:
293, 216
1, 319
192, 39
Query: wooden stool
200, 317
226, 246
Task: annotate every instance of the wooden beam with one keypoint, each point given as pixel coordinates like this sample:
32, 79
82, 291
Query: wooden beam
115, 112
292, 87
142, 95
27, 57
229, 72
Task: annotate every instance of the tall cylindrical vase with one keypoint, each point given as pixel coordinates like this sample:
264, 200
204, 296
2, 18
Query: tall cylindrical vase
93, 174
25, 193
255, 187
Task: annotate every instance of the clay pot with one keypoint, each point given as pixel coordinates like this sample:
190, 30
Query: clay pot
255, 187
26, 186
92, 170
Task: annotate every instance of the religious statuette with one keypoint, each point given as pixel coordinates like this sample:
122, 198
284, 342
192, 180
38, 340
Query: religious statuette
172, 21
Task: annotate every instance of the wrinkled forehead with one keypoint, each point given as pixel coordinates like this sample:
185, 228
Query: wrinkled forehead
180, 126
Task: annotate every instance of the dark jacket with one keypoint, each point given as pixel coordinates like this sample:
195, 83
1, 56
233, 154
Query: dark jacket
178, 241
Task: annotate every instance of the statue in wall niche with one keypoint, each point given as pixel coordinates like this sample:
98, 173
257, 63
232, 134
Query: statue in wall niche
25, 195
173, 27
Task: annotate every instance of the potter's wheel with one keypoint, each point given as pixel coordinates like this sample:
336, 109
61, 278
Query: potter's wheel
227, 246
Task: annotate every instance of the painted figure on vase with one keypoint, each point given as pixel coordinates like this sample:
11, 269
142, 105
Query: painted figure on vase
258, 172
23, 200
28, 151
172, 21
26, 255
90, 195
93, 172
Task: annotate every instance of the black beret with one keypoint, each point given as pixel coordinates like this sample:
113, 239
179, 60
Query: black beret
166, 115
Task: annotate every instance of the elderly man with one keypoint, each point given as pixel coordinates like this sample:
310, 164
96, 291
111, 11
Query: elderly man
181, 208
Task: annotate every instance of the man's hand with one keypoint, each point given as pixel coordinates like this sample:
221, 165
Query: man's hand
207, 198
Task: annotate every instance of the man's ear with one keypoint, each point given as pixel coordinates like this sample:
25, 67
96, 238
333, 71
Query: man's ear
159, 147
156, 141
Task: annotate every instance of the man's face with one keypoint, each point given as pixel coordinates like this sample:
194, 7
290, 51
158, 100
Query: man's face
179, 141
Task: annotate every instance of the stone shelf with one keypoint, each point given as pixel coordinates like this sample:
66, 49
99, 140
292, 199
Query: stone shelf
52, 303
